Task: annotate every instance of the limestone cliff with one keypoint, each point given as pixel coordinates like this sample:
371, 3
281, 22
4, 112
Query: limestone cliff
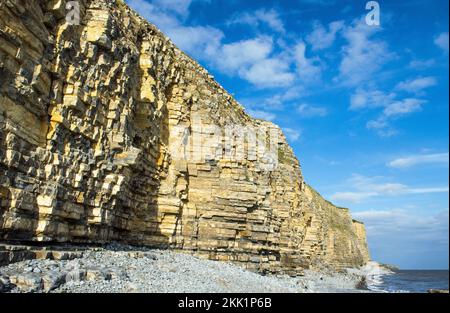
89, 128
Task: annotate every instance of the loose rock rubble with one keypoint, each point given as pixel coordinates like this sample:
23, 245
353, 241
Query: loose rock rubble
125, 270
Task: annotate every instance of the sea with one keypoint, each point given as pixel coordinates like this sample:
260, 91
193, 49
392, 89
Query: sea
416, 281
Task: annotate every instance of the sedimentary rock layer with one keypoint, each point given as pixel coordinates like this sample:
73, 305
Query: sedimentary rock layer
90, 145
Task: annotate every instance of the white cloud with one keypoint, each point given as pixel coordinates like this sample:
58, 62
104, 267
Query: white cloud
382, 127
236, 55
406, 224
353, 197
409, 237
362, 98
428, 190
419, 159
321, 38
178, 6
292, 93
364, 183
292, 134
199, 41
372, 214
270, 18
156, 15
421, 64
370, 99
263, 115
363, 55
442, 41
308, 69
392, 110
404, 106
416, 85
363, 58
270, 72
327, 161
369, 187
379, 123
252, 60
306, 110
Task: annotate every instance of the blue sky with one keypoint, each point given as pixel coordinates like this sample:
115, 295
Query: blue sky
364, 107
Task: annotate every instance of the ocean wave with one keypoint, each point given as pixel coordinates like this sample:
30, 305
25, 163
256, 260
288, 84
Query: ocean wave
375, 282
374, 273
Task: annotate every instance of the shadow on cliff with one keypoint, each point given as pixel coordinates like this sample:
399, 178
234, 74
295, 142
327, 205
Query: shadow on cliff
151, 136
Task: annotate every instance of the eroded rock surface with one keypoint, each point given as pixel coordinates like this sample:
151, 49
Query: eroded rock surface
89, 120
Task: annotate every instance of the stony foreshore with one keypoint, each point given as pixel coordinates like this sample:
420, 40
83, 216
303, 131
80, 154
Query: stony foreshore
127, 270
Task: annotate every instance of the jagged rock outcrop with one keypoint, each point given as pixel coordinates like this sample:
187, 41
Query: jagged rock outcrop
93, 120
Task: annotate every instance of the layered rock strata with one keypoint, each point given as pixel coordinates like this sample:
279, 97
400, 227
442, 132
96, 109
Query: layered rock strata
101, 124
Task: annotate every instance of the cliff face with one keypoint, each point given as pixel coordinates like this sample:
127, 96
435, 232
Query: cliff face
93, 120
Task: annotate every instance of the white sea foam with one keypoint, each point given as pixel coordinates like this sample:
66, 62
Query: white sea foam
374, 273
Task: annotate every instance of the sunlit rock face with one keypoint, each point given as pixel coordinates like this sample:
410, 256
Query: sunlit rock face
108, 132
